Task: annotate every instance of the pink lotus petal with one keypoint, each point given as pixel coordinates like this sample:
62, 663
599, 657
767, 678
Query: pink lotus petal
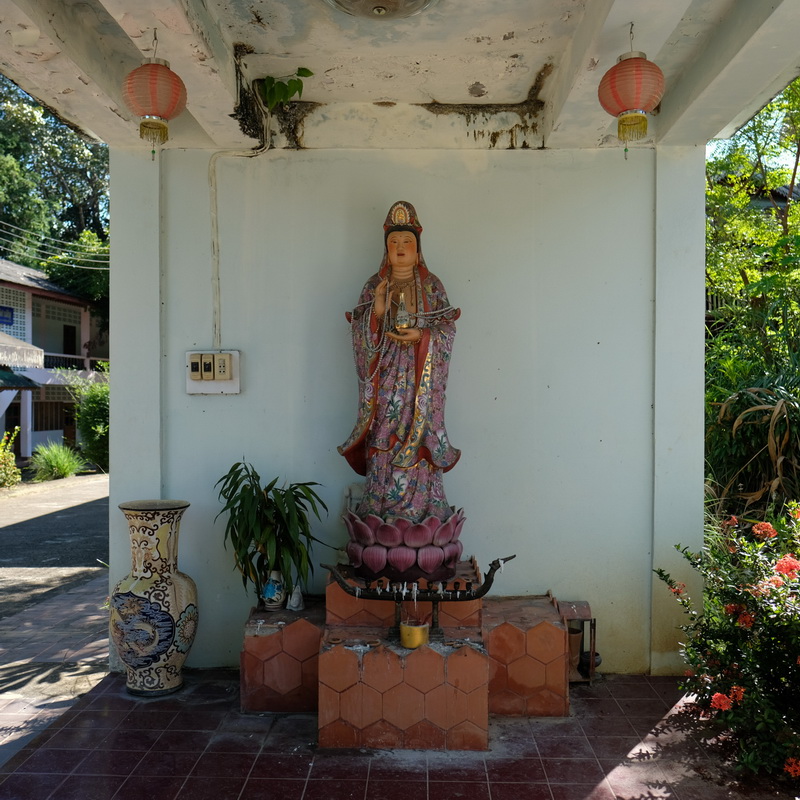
430, 558
354, 551
348, 523
362, 533
444, 534
452, 552
374, 557
418, 536
402, 557
402, 524
373, 521
458, 529
432, 523
388, 535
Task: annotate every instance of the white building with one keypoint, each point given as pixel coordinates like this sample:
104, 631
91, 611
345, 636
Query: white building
576, 387
35, 310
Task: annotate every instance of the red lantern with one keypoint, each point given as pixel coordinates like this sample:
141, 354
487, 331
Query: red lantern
631, 88
157, 95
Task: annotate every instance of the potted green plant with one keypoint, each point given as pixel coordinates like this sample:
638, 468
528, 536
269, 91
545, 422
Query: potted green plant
269, 530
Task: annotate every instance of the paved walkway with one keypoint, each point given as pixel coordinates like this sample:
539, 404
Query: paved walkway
53, 627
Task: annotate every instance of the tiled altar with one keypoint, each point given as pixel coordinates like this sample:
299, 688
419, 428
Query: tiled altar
499, 655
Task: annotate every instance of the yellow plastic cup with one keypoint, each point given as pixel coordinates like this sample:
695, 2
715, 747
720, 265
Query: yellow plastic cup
413, 634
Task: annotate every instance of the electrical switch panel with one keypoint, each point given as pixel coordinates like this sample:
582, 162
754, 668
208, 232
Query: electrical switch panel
212, 372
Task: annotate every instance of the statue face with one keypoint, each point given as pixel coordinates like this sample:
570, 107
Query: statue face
402, 249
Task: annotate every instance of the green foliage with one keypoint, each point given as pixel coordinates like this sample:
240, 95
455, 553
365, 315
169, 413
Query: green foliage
743, 645
54, 460
91, 282
65, 176
268, 527
9, 474
281, 90
753, 272
753, 438
92, 414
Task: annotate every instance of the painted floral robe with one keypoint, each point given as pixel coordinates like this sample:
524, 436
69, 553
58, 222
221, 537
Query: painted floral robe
399, 441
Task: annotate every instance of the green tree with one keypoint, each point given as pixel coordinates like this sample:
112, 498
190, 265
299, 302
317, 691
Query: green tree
753, 275
65, 174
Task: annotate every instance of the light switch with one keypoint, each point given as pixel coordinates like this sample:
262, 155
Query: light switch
207, 366
194, 367
212, 373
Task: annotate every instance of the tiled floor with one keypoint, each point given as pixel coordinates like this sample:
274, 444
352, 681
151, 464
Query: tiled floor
626, 739
49, 656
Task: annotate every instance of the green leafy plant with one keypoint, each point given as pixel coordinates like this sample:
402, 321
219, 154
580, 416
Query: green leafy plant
268, 526
742, 645
9, 474
54, 460
281, 90
92, 414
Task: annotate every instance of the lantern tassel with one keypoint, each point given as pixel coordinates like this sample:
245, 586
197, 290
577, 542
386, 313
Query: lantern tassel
154, 130
631, 126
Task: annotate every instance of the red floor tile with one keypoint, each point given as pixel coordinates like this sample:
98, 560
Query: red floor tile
335, 790
149, 788
109, 762
520, 791
332, 766
262, 789
460, 791
515, 770
572, 770
53, 761
158, 764
210, 788
29, 787
392, 790
276, 765
223, 765
88, 787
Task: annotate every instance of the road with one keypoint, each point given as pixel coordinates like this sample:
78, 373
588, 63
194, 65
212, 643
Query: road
53, 536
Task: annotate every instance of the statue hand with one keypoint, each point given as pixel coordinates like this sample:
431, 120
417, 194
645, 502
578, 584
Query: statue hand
409, 335
379, 304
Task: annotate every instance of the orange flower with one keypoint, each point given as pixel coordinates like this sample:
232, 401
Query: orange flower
737, 693
763, 530
721, 701
729, 523
746, 619
792, 766
789, 566
733, 608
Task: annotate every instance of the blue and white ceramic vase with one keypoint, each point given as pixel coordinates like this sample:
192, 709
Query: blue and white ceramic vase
154, 608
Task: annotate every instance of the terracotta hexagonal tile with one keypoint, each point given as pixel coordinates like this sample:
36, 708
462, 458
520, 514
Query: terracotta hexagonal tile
507, 704
546, 642
424, 669
250, 669
381, 735
425, 736
525, 675
382, 669
556, 675
328, 706
464, 613
265, 646
350, 705
310, 672
301, 639
403, 706
506, 643
545, 703
446, 706
339, 734
282, 673
466, 736
466, 669
478, 708
498, 677
338, 668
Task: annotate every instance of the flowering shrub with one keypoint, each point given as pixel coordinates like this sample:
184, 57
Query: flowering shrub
9, 474
743, 647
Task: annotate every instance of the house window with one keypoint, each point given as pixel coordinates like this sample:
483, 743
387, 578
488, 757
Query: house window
14, 299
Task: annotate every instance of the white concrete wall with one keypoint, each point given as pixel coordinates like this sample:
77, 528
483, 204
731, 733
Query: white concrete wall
555, 396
